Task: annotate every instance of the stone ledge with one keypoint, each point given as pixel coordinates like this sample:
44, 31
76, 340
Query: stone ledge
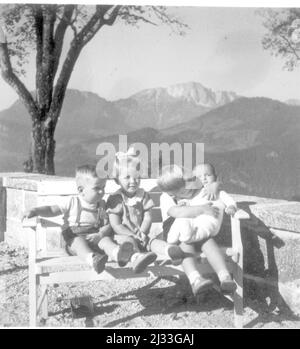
255, 200
265, 212
273, 213
282, 216
38, 183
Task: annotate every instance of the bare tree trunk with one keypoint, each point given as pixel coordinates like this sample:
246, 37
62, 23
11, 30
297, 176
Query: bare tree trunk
38, 147
50, 149
42, 148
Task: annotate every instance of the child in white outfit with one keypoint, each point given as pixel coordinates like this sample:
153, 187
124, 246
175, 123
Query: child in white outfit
203, 226
181, 217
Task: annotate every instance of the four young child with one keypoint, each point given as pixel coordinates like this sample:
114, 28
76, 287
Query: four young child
192, 209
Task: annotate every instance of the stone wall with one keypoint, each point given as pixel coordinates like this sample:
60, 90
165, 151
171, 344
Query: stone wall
271, 241
271, 238
22, 191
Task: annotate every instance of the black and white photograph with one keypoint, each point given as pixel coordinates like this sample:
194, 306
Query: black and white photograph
150, 166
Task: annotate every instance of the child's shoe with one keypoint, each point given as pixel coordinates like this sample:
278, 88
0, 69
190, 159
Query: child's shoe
227, 285
99, 261
142, 261
176, 254
124, 254
201, 285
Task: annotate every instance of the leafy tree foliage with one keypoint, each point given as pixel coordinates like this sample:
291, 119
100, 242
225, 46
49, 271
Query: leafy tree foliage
283, 34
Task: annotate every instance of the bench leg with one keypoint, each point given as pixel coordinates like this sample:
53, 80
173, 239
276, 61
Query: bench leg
44, 304
32, 300
238, 297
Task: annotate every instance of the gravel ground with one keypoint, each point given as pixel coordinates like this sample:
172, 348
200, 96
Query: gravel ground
143, 303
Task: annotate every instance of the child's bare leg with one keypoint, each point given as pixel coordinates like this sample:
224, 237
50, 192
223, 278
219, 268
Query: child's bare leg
81, 248
108, 245
118, 253
158, 246
120, 239
189, 265
169, 251
217, 262
140, 260
214, 255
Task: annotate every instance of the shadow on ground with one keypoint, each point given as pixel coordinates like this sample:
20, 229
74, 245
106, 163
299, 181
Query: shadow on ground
171, 300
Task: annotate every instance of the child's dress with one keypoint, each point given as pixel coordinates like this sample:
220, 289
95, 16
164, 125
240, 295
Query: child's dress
131, 210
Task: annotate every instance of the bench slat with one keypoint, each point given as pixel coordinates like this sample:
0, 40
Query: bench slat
68, 263
155, 196
156, 215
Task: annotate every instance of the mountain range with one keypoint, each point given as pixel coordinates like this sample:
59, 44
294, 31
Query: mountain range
86, 116
164, 107
293, 101
254, 142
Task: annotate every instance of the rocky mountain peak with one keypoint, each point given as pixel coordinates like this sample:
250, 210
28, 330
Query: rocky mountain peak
200, 95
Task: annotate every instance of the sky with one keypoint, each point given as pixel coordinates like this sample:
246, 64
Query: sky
222, 50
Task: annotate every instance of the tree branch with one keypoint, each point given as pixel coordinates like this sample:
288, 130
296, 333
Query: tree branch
133, 18
112, 17
62, 82
83, 37
49, 14
38, 25
60, 33
293, 51
45, 79
10, 77
97, 21
167, 19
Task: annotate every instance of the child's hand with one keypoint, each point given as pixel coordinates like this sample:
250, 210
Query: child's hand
231, 210
211, 190
144, 238
29, 214
94, 238
211, 210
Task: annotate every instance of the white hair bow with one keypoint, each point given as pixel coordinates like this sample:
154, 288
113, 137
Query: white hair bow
122, 155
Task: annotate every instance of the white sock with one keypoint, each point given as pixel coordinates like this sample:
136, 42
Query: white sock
134, 256
115, 253
223, 274
89, 259
193, 276
167, 251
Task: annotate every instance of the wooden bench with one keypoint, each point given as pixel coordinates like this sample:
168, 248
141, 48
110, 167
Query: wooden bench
48, 268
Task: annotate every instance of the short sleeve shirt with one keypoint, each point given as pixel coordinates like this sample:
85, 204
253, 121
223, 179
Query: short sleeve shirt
131, 210
76, 212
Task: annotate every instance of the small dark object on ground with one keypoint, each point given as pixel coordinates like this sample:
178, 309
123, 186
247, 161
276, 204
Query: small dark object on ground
82, 306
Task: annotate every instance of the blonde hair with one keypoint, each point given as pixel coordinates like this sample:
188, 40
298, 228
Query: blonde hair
125, 161
84, 172
173, 177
